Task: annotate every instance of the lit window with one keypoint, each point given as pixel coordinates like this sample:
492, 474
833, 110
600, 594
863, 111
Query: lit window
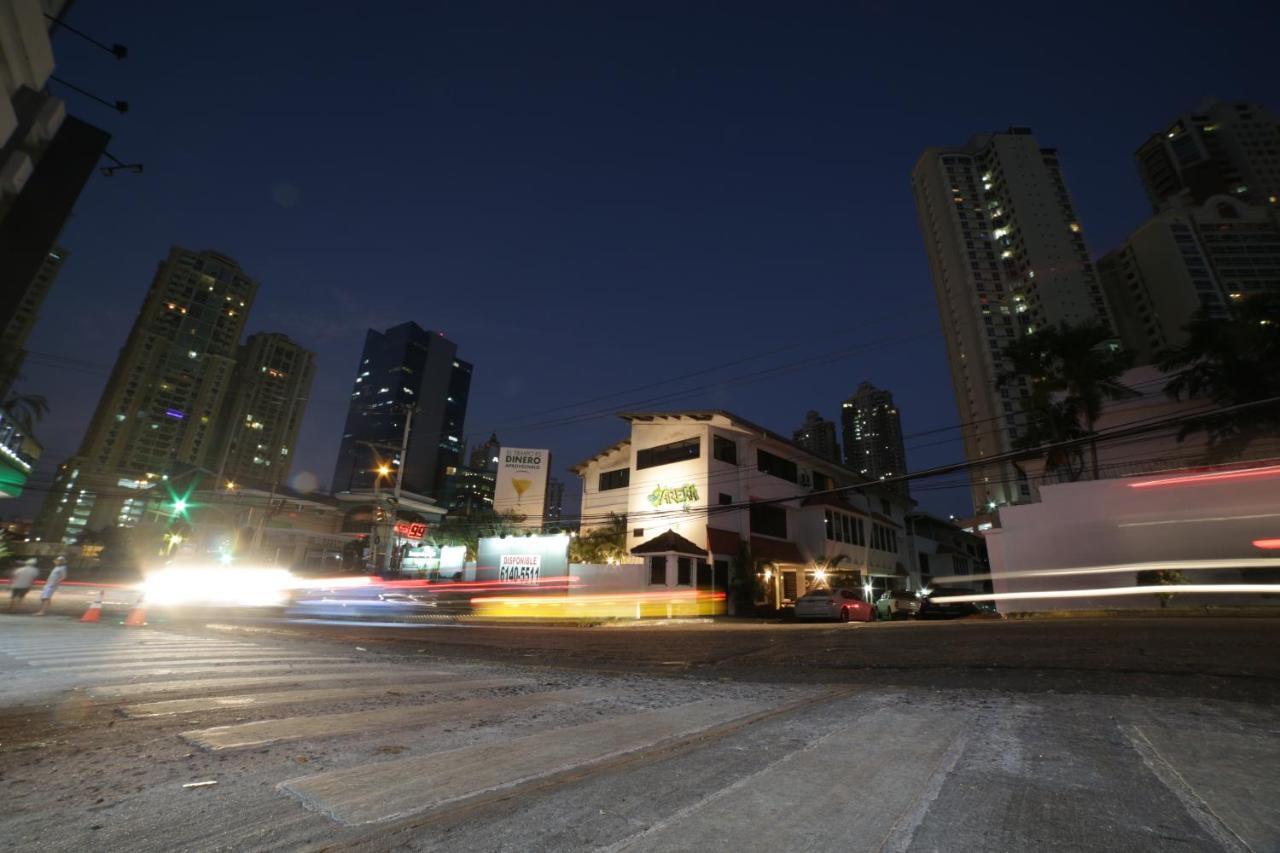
1075, 227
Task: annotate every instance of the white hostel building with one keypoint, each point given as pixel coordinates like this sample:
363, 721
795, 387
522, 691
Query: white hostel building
710, 497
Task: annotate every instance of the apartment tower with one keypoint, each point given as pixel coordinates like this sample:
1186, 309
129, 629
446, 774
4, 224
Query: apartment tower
1230, 149
263, 413
872, 431
160, 410
1007, 256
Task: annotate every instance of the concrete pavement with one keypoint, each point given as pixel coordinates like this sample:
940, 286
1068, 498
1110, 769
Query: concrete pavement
336, 747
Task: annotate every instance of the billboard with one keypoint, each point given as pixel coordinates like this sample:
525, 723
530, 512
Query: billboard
521, 486
524, 560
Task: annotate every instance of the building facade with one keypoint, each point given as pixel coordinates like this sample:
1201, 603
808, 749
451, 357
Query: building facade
16, 330
263, 413
757, 504
160, 409
873, 435
402, 369
46, 158
944, 551
1007, 255
555, 502
469, 489
1230, 149
818, 435
1210, 256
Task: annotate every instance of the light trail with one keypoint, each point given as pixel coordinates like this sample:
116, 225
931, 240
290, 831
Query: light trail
1108, 592
1209, 477
1199, 520
1259, 562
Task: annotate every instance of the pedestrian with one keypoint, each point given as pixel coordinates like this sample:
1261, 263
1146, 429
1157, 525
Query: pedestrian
20, 582
57, 576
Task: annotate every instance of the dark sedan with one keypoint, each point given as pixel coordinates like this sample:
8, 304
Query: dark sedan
931, 608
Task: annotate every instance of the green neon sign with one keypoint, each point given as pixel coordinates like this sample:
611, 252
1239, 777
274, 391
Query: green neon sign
663, 495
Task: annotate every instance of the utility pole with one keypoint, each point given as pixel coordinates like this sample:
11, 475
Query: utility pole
395, 504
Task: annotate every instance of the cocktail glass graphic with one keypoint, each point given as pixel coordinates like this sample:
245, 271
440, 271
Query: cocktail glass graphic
520, 485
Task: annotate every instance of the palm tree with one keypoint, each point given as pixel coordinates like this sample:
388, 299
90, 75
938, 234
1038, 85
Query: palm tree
601, 544
27, 410
1230, 361
1073, 371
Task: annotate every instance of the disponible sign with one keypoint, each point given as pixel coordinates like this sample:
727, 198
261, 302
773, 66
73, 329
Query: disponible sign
520, 568
521, 485
531, 560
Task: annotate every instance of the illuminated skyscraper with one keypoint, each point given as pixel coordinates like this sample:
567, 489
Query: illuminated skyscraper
164, 399
873, 435
818, 435
406, 367
263, 413
1230, 149
1008, 256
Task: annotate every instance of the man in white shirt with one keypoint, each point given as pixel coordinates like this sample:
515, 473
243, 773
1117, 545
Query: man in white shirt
57, 576
20, 582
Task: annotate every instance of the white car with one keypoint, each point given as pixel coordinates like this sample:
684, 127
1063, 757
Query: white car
845, 605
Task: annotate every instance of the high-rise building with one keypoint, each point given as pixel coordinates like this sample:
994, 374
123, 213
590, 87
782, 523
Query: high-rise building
263, 412
555, 501
405, 368
161, 407
469, 489
818, 435
1224, 149
873, 435
1007, 256
1210, 256
17, 330
46, 158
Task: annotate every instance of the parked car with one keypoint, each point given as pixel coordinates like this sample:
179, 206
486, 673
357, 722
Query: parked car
932, 609
843, 604
897, 604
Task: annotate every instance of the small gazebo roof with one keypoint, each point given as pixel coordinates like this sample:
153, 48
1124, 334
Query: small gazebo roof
669, 543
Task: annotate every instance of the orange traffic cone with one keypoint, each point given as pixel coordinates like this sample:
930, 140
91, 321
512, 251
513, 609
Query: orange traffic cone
137, 616
94, 613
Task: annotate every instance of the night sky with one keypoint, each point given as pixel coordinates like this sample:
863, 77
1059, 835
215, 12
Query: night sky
606, 205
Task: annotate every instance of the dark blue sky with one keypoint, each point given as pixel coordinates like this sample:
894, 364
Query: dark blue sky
591, 197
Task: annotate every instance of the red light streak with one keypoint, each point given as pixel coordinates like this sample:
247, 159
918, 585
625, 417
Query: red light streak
1268, 544
1216, 476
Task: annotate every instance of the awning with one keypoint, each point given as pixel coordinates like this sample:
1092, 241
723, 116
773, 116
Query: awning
723, 541
669, 543
776, 551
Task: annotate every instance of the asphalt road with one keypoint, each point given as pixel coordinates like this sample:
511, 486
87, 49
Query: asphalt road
1137, 734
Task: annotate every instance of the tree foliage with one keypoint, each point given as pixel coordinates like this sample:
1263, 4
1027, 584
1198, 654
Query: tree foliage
1229, 362
1072, 371
601, 544
468, 530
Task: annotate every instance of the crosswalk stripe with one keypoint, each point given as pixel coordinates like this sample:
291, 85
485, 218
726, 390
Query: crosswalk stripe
212, 673
377, 792
403, 686
358, 673
181, 654
46, 648
142, 665
885, 762
262, 732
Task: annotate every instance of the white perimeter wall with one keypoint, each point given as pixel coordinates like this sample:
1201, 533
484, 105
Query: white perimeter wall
1109, 521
